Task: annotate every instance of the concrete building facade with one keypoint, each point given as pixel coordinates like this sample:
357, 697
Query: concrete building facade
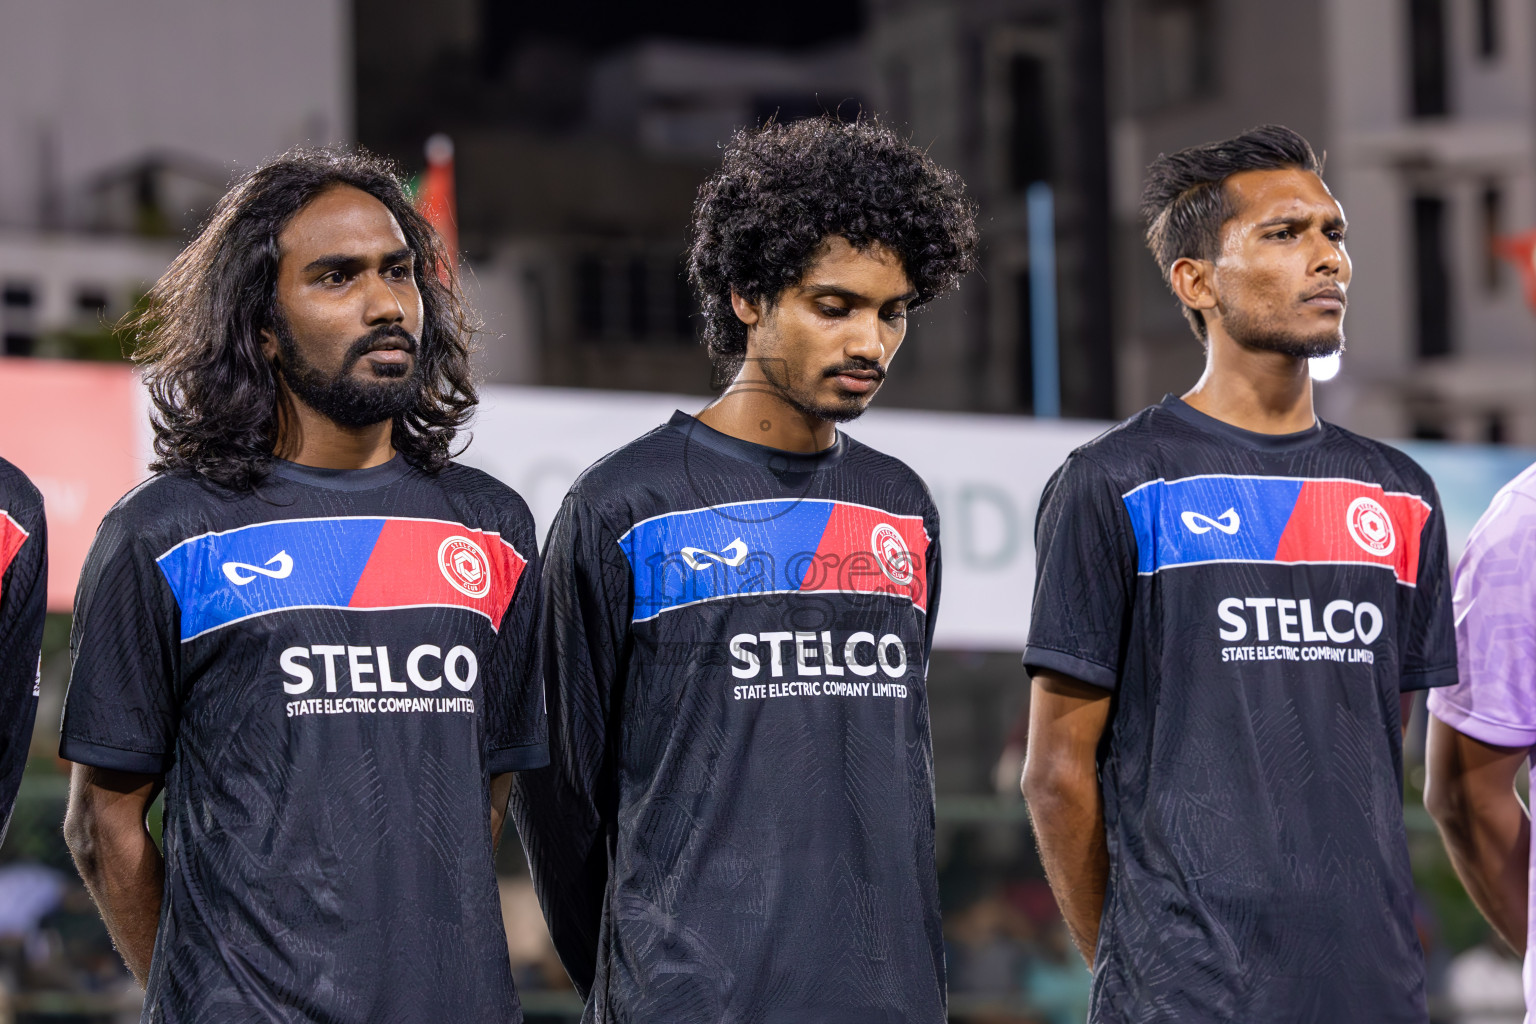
1426, 110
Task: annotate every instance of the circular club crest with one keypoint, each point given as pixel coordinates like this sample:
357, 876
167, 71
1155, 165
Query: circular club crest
1370, 526
891, 552
465, 566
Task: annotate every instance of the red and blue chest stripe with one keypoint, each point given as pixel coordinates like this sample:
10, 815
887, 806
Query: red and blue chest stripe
12, 537
752, 548
1201, 520
360, 563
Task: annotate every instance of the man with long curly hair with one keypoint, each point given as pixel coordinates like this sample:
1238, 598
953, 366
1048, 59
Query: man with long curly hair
738, 820
310, 629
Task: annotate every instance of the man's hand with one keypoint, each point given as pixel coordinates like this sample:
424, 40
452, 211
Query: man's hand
501, 791
1470, 792
116, 856
1067, 718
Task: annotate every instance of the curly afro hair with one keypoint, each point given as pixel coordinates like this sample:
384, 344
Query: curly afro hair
784, 189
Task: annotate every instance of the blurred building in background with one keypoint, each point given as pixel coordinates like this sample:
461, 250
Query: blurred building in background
120, 125
583, 131
1427, 111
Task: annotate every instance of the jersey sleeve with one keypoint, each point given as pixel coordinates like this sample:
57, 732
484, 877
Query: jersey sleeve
566, 813
1085, 572
517, 727
935, 571
23, 605
1429, 646
123, 706
1494, 699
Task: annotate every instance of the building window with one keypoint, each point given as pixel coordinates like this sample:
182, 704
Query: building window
682, 300
1427, 58
632, 296
589, 296
1487, 29
91, 302
1429, 428
1493, 226
1432, 279
1029, 129
1024, 369
17, 328
1176, 47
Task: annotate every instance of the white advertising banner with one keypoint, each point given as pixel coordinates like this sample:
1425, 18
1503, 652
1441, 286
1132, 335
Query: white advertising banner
986, 474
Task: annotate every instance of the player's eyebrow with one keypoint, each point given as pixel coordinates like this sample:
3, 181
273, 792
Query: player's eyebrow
1332, 222
341, 261
850, 295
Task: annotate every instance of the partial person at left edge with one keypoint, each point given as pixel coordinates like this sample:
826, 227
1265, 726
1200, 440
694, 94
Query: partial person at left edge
23, 603
310, 628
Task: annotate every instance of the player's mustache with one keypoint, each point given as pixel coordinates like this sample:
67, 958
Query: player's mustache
388, 336
857, 365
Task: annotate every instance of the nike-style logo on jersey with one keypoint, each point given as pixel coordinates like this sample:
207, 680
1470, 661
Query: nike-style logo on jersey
734, 554
12, 537
753, 548
1284, 520
240, 574
366, 563
1227, 522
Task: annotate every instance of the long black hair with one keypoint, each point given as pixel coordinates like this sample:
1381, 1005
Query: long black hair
198, 337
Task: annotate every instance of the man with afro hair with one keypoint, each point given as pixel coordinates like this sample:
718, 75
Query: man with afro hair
738, 822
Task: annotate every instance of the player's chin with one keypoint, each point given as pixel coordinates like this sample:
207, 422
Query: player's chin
843, 405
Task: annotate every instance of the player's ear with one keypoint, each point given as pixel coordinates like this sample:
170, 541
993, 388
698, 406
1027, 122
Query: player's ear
1192, 282
747, 312
268, 343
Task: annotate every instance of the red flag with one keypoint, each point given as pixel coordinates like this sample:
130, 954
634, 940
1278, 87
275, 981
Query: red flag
1521, 251
435, 199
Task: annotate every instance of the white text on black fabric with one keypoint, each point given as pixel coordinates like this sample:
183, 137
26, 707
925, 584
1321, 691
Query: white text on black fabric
372, 670
1320, 634
815, 665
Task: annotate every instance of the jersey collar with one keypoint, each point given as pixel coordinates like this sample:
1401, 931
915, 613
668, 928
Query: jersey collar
776, 459
1248, 438
341, 479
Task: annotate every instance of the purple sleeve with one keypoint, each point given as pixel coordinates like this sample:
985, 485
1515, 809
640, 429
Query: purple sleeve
1494, 699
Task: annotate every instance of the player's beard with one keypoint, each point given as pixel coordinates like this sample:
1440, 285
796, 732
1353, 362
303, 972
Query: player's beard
807, 400
342, 397
1255, 334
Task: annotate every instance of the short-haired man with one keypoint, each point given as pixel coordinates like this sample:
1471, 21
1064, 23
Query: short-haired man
309, 627
738, 823
1233, 602
1483, 729
23, 606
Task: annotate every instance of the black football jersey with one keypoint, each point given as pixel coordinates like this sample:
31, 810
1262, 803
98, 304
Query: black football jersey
738, 820
23, 604
326, 670
1256, 603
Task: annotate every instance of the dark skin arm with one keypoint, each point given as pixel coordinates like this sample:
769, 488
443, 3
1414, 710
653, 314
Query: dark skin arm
1469, 790
118, 860
501, 792
1067, 718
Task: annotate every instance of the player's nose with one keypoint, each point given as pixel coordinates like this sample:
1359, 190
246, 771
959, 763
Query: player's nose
382, 305
863, 339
